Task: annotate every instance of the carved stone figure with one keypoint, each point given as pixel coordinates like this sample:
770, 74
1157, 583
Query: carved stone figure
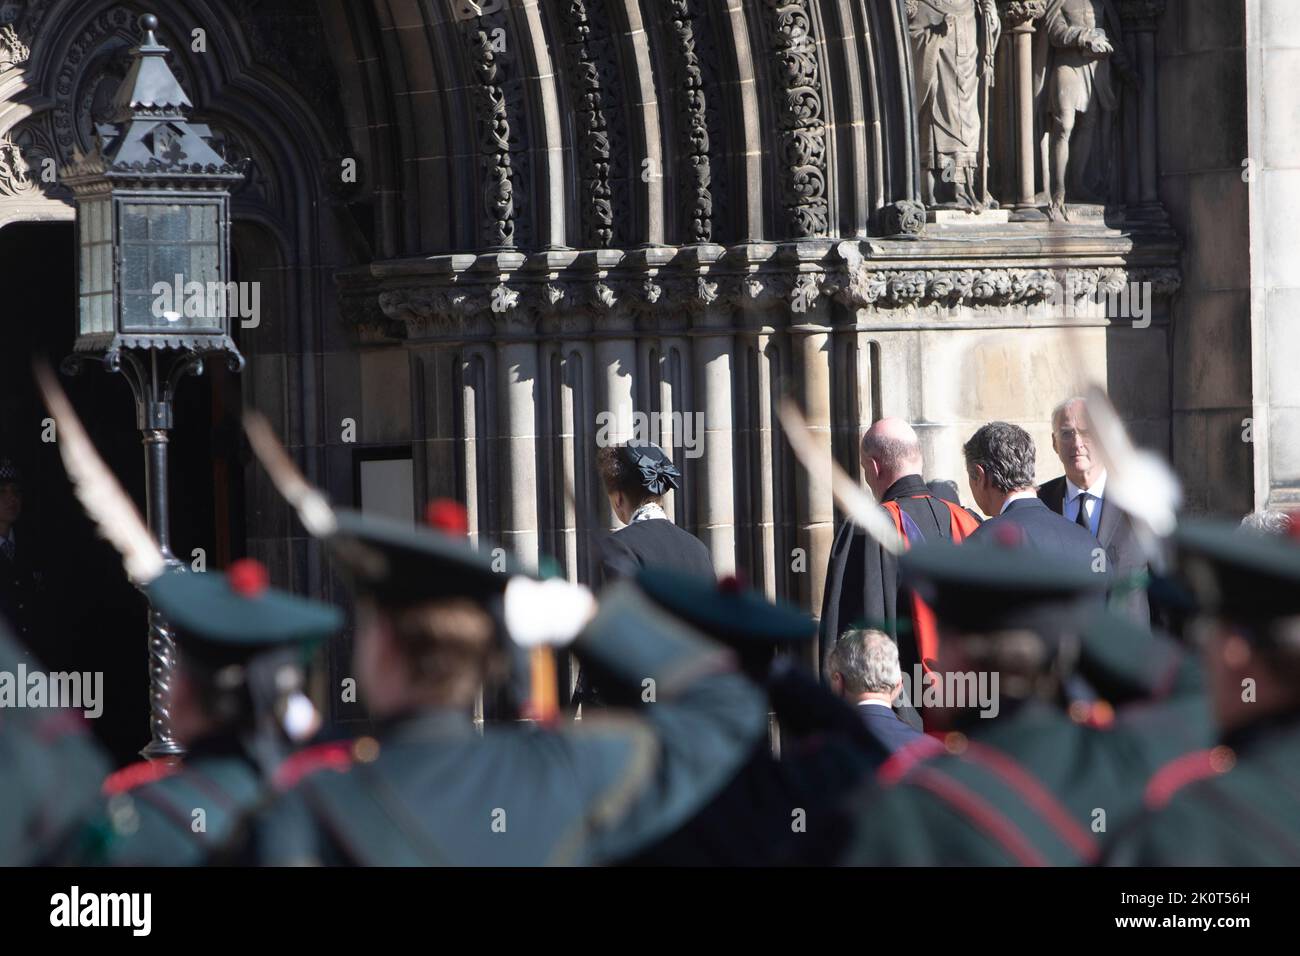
953, 43
1084, 44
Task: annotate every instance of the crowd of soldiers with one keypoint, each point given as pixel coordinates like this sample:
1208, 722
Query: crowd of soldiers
703, 738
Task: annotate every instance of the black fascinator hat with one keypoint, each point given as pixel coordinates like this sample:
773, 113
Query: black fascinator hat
657, 472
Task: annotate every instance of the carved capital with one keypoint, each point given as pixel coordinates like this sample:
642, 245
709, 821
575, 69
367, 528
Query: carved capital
1016, 13
903, 218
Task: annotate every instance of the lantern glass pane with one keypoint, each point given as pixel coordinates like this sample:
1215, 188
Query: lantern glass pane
161, 242
168, 223
95, 221
135, 224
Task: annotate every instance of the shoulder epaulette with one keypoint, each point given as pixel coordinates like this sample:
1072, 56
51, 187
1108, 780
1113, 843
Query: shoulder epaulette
335, 755
1181, 771
136, 775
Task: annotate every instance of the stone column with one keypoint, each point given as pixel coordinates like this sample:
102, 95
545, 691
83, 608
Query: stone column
517, 385
814, 506
712, 352
1019, 17
614, 376
1139, 17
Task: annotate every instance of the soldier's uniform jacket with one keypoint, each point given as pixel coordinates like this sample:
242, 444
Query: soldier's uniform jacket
1037, 785
1237, 804
1024, 790
155, 814
430, 791
1234, 805
51, 769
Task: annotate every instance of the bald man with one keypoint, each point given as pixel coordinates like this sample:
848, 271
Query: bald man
862, 588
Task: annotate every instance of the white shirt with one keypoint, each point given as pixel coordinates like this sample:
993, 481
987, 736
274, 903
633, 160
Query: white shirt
1097, 495
875, 703
1018, 496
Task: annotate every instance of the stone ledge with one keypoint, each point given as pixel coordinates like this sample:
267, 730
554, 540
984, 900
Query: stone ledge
569, 291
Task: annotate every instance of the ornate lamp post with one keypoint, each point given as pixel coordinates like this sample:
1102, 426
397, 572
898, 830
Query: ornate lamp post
153, 238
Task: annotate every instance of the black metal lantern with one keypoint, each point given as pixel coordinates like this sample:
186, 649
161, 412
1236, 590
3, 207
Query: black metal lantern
153, 242
153, 216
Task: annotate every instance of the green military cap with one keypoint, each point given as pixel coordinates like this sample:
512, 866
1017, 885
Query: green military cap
725, 609
1243, 575
983, 587
730, 613
236, 614
400, 564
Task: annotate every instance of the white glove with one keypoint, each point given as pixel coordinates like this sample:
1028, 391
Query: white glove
546, 613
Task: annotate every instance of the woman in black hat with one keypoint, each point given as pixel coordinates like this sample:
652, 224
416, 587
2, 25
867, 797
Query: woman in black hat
636, 477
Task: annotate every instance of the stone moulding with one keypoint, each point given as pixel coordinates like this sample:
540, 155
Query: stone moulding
698, 201
491, 295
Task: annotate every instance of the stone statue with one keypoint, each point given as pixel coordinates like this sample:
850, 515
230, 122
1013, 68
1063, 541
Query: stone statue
1083, 37
953, 44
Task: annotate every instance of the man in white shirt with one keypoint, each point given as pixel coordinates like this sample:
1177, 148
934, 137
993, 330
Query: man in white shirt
1080, 496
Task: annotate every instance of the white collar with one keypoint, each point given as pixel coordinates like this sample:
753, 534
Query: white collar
1018, 496
875, 703
650, 511
1098, 489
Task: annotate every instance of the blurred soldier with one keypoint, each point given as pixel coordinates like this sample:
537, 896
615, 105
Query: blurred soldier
20, 581
862, 584
428, 790
1237, 804
1018, 779
1080, 496
773, 812
236, 704
863, 669
51, 768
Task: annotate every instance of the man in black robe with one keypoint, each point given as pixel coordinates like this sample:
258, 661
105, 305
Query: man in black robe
862, 586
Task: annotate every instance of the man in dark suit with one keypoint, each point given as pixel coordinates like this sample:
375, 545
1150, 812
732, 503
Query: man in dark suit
863, 669
1080, 496
1000, 468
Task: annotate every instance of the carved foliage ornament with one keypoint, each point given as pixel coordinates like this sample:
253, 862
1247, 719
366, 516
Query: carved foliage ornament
14, 178
494, 135
12, 50
695, 127
801, 120
515, 306
1016, 12
590, 94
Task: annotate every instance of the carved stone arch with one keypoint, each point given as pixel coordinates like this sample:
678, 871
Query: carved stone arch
795, 117
687, 61
601, 156
541, 131
645, 147
425, 88
368, 108
742, 66
892, 106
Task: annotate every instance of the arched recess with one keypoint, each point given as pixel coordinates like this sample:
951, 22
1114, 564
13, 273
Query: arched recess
256, 107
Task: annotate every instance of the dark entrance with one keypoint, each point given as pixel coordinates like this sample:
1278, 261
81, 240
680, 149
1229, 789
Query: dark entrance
91, 618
